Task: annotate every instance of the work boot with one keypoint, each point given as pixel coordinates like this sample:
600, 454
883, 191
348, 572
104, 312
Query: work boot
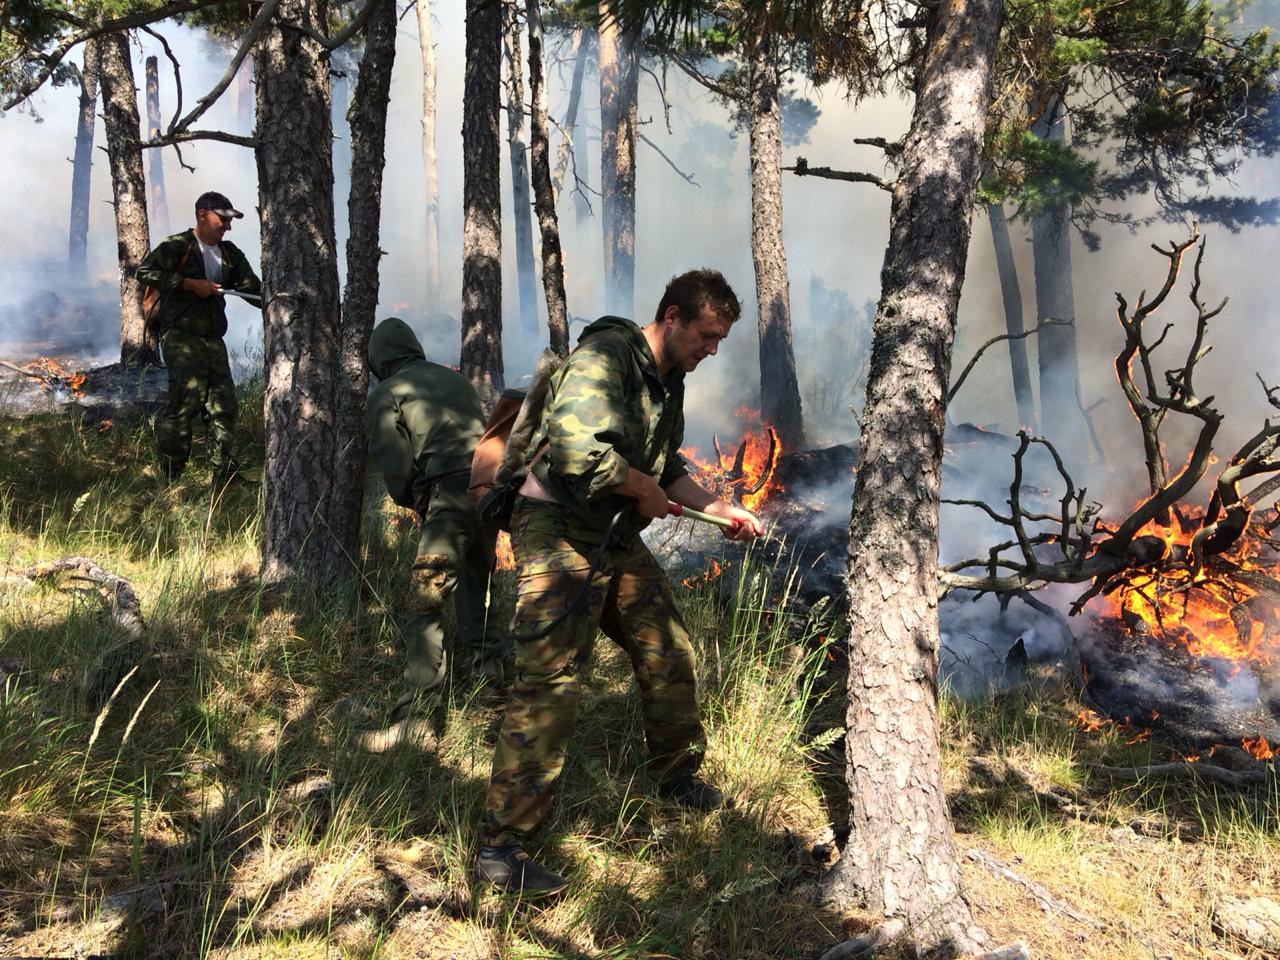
509, 869
227, 473
408, 722
171, 469
692, 792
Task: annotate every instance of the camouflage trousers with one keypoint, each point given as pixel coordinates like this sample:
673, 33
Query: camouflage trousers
631, 600
455, 557
200, 384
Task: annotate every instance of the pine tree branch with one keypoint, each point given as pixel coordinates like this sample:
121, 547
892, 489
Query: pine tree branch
802, 169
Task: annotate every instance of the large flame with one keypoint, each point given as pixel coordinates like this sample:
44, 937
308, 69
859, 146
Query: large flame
721, 474
1209, 615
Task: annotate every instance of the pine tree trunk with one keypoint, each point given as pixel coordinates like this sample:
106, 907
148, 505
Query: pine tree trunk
779, 387
1011, 295
302, 298
619, 90
901, 857
82, 164
431, 177
159, 205
368, 123
481, 355
1061, 419
544, 193
129, 188
518, 151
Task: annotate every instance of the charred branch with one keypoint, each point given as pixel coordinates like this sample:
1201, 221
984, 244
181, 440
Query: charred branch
802, 169
968, 367
1121, 557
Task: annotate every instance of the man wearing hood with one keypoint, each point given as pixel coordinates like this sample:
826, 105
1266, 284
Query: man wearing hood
423, 424
608, 446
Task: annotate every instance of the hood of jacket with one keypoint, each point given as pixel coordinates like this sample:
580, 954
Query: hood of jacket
393, 346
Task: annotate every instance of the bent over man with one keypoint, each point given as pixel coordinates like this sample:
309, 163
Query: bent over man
191, 269
608, 446
423, 423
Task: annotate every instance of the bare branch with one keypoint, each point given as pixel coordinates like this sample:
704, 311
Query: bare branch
89, 31
177, 72
687, 177
246, 44
968, 367
802, 169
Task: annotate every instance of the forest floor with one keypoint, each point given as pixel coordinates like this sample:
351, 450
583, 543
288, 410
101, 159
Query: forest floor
199, 792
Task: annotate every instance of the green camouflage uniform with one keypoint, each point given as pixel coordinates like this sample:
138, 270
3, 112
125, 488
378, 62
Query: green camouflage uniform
423, 423
192, 329
607, 410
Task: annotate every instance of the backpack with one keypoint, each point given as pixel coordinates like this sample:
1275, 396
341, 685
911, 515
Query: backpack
153, 299
498, 467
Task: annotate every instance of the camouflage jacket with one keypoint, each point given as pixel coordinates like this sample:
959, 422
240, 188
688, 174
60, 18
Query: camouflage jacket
606, 410
424, 420
180, 310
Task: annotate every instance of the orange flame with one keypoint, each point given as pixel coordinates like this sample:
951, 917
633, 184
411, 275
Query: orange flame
1202, 613
50, 370
714, 570
504, 556
721, 476
1257, 747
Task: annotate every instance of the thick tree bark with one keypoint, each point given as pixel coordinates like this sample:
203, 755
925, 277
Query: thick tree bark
1061, 419
1011, 295
431, 177
779, 387
82, 164
159, 205
368, 123
544, 193
518, 151
568, 145
481, 356
619, 91
901, 856
129, 188
301, 295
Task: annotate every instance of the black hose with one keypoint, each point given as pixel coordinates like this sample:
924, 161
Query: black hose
577, 601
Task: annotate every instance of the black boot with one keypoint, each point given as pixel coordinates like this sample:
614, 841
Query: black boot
171, 469
509, 869
693, 792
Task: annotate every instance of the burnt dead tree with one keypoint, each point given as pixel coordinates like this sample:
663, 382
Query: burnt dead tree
619, 95
159, 203
779, 386
518, 155
82, 162
430, 166
1011, 298
544, 191
368, 122
129, 192
481, 355
1073, 545
901, 859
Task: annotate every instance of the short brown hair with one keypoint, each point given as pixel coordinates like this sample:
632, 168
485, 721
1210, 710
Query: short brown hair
692, 291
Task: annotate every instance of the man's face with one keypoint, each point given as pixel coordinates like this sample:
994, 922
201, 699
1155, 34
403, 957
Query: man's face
211, 225
688, 344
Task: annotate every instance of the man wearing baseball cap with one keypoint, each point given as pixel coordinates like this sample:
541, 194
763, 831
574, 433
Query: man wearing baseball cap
192, 270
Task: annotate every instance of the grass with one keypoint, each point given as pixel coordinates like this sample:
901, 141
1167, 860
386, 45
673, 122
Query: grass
178, 813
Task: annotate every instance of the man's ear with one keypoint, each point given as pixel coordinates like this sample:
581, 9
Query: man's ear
672, 313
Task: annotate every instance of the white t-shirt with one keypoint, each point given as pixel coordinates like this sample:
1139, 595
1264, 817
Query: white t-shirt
212, 261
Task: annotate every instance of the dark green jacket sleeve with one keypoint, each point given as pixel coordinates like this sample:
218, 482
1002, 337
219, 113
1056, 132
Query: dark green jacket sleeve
159, 268
238, 275
587, 418
391, 447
